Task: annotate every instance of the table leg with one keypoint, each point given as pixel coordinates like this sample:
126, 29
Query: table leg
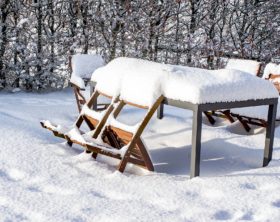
196, 142
160, 111
269, 138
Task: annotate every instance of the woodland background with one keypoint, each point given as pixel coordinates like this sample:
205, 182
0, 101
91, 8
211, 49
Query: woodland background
37, 36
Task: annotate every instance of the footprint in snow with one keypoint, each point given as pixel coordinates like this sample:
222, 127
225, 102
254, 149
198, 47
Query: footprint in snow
222, 215
276, 203
96, 194
33, 189
248, 186
247, 216
87, 210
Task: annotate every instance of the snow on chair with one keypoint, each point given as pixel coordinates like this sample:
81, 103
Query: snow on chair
245, 65
272, 73
81, 67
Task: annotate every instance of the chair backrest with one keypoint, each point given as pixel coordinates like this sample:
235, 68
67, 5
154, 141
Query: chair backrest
82, 66
271, 69
272, 73
124, 134
249, 66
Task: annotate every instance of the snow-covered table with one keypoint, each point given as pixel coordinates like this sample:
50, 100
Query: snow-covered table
203, 90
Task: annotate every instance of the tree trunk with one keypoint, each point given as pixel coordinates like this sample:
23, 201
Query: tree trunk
3, 42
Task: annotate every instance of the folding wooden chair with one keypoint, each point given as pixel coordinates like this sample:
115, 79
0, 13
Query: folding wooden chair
248, 66
118, 141
245, 120
80, 76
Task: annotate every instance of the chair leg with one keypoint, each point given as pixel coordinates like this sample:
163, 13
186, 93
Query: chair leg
210, 118
244, 123
228, 116
69, 143
124, 162
145, 155
94, 155
142, 160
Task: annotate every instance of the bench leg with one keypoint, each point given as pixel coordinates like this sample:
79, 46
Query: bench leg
196, 142
269, 134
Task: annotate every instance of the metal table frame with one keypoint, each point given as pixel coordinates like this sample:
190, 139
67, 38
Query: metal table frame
198, 109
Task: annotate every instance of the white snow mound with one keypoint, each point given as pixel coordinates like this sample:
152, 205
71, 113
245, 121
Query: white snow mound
83, 66
142, 82
244, 65
271, 68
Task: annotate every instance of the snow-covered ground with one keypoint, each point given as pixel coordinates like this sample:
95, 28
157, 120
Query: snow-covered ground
42, 179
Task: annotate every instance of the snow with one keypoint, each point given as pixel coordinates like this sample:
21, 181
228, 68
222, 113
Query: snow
22, 22
83, 65
261, 111
271, 68
86, 139
16, 90
89, 112
249, 66
54, 127
75, 135
43, 179
201, 86
142, 82
111, 72
128, 128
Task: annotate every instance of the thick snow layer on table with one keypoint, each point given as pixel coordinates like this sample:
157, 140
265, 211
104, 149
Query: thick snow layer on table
83, 65
42, 179
259, 112
271, 68
244, 65
138, 81
225, 85
142, 82
109, 77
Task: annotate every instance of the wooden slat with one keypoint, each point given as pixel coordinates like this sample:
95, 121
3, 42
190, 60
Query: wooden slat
104, 94
103, 152
136, 139
136, 105
137, 162
122, 134
93, 121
